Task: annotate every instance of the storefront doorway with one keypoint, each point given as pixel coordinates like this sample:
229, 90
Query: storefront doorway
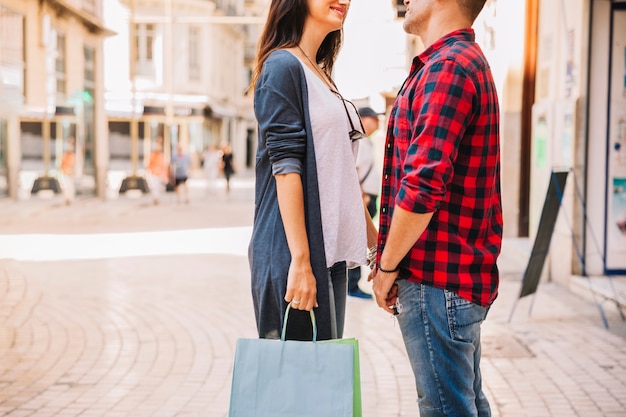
615, 225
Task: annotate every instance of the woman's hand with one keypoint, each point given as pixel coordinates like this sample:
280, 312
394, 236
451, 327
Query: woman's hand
301, 283
301, 286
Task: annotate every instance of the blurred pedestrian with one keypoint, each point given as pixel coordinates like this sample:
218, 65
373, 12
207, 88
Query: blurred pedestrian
68, 170
309, 220
211, 158
228, 167
157, 171
369, 179
440, 209
181, 163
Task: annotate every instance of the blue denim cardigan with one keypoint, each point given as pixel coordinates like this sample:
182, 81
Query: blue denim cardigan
285, 144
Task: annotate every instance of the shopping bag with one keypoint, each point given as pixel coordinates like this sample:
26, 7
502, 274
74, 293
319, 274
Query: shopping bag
357, 406
287, 378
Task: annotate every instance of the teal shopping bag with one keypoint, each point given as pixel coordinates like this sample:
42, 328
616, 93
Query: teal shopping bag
287, 378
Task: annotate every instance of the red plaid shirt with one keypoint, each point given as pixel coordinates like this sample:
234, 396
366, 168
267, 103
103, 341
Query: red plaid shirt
442, 156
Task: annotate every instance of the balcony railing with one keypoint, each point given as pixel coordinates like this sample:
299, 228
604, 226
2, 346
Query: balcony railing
89, 12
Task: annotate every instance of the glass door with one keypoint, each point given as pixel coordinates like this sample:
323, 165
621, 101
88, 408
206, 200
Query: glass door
615, 233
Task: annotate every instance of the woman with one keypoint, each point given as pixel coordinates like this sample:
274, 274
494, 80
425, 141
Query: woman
310, 222
157, 171
228, 166
68, 164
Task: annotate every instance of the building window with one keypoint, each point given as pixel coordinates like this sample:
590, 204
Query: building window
195, 34
12, 46
60, 66
90, 67
144, 48
400, 9
88, 107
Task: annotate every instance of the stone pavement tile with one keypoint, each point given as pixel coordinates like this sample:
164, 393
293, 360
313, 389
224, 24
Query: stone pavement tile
21, 413
154, 335
564, 365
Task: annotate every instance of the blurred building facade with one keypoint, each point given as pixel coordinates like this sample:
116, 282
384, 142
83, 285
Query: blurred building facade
561, 75
51, 89
184, 82
111, 78
574, 121
587, 93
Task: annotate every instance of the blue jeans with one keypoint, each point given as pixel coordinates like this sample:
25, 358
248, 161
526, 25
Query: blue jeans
354, 276
441, 333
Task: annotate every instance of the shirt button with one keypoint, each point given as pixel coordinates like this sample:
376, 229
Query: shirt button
386, 176
384, 210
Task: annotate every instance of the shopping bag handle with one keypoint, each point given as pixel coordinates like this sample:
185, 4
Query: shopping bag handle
313, 323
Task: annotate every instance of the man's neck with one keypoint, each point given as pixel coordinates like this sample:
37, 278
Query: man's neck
441, 23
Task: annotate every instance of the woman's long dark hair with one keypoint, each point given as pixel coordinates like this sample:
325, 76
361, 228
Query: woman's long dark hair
283, 29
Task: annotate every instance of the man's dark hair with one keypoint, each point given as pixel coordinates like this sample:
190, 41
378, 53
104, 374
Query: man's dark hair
471, 7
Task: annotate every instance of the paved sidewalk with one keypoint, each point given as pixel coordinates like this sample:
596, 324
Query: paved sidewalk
123, 308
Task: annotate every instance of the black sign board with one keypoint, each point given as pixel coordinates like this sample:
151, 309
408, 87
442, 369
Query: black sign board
550, 211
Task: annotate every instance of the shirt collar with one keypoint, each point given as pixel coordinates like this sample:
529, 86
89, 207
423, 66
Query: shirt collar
466, 35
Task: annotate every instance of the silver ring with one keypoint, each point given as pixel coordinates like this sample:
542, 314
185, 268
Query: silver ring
295, 301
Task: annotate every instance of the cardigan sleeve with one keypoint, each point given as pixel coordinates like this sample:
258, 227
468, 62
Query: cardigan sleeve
278, 110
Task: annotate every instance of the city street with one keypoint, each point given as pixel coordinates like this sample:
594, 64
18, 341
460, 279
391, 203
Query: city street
122, 308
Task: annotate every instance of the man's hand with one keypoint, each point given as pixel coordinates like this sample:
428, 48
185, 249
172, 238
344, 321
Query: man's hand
385, 289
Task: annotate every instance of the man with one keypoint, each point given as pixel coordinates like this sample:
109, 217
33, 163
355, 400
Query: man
369, 178
441, 216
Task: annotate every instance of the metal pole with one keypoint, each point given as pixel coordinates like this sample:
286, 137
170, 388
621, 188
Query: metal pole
528, 98
169, 76
46, 145
134, 128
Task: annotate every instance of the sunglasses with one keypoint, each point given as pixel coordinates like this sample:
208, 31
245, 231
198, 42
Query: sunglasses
354, 133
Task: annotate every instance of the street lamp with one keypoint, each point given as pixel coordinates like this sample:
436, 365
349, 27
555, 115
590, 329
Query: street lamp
134, 181
63, 118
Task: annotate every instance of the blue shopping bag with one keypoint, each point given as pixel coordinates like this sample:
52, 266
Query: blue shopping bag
357, 406
287, 378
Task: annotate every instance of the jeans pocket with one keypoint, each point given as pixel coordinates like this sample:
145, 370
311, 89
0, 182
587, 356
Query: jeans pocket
464, 317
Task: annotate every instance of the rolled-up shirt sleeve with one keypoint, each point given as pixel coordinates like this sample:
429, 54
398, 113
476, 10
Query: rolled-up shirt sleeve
281, 120
441, 123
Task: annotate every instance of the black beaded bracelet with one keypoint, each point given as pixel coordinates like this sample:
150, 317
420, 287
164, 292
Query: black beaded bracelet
388, 271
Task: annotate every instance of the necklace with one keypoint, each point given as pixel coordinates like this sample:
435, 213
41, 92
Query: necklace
322, 74
354, 134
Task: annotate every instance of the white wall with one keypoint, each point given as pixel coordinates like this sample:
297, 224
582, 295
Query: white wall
558, 87
372, 59
561, 95
500, 34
